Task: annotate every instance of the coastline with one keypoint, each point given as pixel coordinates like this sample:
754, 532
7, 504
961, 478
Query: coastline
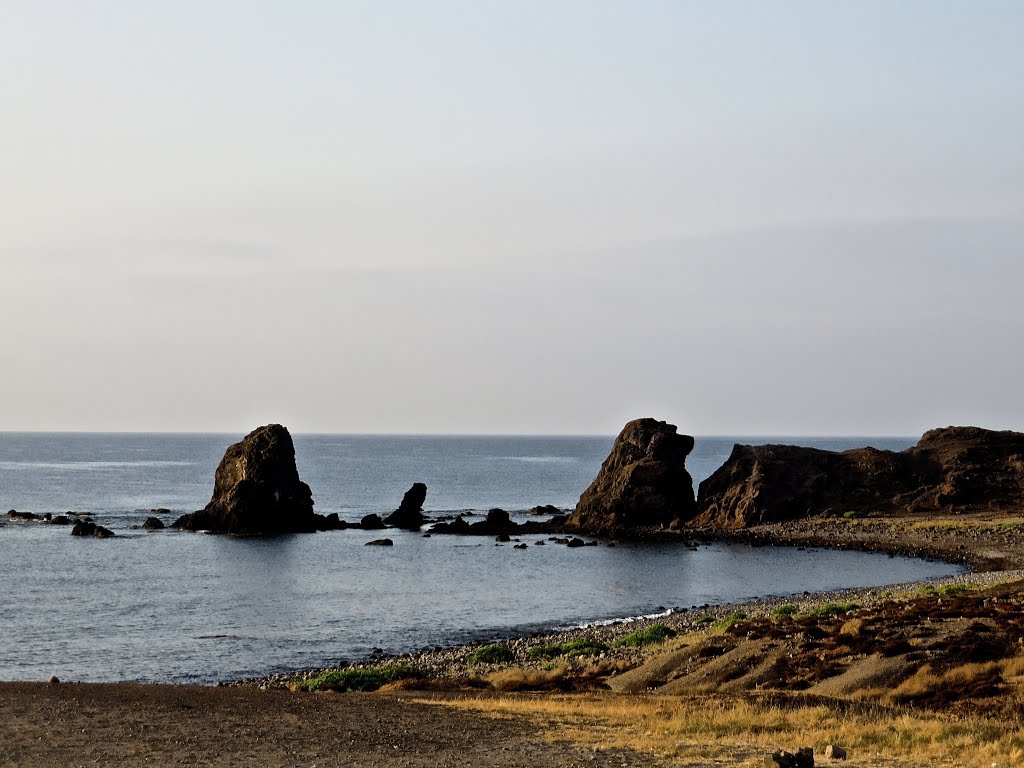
467, 714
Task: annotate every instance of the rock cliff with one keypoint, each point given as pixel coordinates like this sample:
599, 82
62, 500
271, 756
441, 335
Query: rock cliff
642, 483
257, 490
955, 469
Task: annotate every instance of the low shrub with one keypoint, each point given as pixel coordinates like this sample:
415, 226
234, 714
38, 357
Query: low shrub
724, 623
655, 633
782, 611
580, 646
492, 654
358, 678
832, 609
855, 514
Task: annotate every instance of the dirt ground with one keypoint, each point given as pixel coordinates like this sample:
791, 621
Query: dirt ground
71, 725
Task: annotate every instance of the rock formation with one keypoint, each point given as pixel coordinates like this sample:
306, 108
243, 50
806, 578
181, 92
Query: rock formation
409, 514
956, 469
257, 490
89, 528
642, 483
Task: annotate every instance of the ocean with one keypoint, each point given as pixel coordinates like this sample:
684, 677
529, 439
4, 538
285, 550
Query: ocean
183, 607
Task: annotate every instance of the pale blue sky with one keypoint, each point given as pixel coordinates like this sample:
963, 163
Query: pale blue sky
745, 218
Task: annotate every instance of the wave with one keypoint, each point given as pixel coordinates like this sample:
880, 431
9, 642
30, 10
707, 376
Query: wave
90, 465
537, 459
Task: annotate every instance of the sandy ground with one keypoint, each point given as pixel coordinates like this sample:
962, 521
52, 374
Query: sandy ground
70, 725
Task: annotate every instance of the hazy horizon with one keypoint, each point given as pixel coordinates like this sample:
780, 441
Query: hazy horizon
787, 218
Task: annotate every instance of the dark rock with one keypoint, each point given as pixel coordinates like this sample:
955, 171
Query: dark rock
457, 526
503, 538
951, 470
380, 543
497, 517
160, 511
372, 523
152, 524
409, 515
520, 546
53, 680
834, 752
25, 516
574, 542
642, 483
332, 523
545, 510
257, 490
60, 520
89, 528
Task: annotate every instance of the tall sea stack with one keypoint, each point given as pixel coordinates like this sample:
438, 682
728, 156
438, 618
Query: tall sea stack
643, 483
257, 490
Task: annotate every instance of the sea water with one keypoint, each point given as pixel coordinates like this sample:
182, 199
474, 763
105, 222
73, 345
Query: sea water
185, 607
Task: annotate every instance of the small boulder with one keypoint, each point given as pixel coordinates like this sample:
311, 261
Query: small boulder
372, 522
53, 680
503, 538
24, 516
153, 524
833, 752
520, 546
380, 543
544, 510
89, 528
574, 542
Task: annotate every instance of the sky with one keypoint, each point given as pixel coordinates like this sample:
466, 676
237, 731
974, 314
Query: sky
744, 218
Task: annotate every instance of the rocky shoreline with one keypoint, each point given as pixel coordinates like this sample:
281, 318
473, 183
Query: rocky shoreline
990, 546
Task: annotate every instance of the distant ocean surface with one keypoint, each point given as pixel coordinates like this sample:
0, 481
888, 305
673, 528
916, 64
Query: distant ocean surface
184, 607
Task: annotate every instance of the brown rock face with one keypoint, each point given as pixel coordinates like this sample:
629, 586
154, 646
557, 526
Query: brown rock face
257, 490
642, 483
955, 469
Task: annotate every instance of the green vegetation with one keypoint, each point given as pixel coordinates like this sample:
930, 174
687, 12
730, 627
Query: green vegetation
655, 633
782, 611
927, 591
855, 514
706, 619
832, 609
492, 654
358, 678
733, 618
581, 646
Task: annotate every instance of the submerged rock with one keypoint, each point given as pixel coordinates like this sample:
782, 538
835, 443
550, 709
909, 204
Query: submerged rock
372, 523
257, 490
643, 482
956, 469
152, 524
409, 515
380, 543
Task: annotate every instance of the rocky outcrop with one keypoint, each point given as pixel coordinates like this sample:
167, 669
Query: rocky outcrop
371, 522
499, 523
152, 524
643, 483
409, 515
950, 470
257, 490
89, 528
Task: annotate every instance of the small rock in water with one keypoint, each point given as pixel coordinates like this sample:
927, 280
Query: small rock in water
54, 680
380, 543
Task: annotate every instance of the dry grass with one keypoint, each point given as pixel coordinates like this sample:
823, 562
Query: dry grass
954, 523
740, 731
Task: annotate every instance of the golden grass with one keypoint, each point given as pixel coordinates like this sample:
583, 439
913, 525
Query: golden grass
954, 523
740, 731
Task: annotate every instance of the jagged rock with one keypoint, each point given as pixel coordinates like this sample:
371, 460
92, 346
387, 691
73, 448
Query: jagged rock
257, 490
152, 524
956, 469
371, 522
89, 528
642, 483
380, 543
409, 515
60, 520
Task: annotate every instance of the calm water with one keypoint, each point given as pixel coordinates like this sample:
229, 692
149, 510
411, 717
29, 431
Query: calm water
170, 606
